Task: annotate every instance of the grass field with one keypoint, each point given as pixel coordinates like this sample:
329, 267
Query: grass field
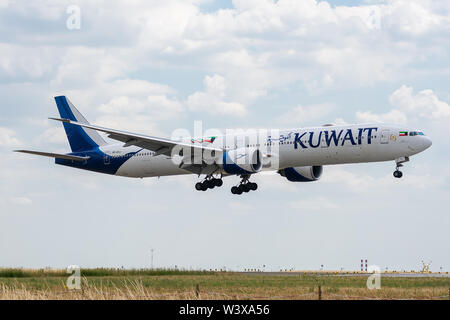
175, 284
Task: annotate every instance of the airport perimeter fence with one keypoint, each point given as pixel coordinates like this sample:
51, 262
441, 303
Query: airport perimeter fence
196, 294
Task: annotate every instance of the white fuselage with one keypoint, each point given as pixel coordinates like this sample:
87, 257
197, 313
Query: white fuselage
315, 146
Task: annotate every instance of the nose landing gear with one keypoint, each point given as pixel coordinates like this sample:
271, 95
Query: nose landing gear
244, 187
398, 174
399, 162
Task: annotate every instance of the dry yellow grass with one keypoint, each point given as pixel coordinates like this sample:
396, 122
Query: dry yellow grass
136, 290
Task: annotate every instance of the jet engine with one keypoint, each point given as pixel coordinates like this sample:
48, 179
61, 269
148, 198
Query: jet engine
302, 174
242, 161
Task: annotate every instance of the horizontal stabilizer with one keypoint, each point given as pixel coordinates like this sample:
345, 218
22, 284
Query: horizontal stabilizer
54, 155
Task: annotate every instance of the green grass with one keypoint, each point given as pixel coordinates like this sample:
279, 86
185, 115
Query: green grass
99, 272
176, 279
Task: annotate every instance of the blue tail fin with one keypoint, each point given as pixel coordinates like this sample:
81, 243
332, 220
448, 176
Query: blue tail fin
80, 139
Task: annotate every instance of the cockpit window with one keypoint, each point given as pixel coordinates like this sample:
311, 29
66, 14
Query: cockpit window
416, 133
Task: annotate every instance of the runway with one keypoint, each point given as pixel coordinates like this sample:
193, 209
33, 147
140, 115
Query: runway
349, 274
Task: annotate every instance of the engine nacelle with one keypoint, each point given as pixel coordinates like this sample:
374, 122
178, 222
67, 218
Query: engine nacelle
242, 161
302, 174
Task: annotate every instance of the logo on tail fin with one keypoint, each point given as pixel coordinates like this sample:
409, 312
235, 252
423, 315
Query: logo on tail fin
80, 139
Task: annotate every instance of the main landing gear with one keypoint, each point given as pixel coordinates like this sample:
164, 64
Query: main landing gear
244, 186
399, 163
209, 183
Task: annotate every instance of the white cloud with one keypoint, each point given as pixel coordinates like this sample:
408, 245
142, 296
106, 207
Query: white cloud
139, 88
409, 106
271, 180
256, 46
82, 67
424, 104
393, 116
94, 96
212, 99
340, 121
237, 207
127, 104
305, 114
122, 104
7, 138
248, 74
54, 135
157, 106
165, 108
137, 123
362, 183
23, 201
359, 183
413, 18
314, 204
135, 113
18, 61
4, 3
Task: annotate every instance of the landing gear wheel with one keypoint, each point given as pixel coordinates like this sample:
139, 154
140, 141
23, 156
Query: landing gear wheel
245, 187
399, 163
199, 186
218, 182
210, 184
253, 186
398, 174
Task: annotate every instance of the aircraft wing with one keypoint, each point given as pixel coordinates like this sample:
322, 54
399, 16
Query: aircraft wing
160, 146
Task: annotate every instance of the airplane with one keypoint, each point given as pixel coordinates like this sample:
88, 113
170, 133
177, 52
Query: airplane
298, 155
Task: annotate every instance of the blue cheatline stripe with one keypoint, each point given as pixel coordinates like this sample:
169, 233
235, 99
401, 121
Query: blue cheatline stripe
96, 161
292, 175
79, 140
230, 167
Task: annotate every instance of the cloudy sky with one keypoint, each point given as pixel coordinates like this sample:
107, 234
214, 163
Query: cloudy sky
155, 66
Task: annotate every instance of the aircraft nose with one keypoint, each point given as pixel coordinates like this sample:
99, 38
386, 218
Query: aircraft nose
427, 142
